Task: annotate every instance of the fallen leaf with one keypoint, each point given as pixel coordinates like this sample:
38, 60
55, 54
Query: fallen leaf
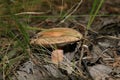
100, 72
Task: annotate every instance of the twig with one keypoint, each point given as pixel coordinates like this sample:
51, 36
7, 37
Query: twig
81, 54
72, 12
32, 13
109, 37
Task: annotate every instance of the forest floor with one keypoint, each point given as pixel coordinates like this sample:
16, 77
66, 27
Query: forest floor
94, 57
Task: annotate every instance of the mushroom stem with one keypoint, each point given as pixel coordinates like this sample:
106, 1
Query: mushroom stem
57, 56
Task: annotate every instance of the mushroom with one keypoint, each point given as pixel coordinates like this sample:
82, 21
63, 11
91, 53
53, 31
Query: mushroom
57, 37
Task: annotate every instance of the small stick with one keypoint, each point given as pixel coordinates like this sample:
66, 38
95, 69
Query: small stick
72, 12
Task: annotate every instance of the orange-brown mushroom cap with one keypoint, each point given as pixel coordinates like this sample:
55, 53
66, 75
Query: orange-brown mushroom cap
56, 36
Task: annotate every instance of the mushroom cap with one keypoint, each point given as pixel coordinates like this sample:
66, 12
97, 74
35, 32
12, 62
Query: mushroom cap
56, 36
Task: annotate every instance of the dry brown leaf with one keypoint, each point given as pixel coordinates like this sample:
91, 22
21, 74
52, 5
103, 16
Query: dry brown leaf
57, 56
100, 72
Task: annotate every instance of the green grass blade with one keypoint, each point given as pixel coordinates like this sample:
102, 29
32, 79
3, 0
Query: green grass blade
95, 13
22, 29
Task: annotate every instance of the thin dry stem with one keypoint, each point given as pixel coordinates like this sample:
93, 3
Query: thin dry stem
32, 13
71, 12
